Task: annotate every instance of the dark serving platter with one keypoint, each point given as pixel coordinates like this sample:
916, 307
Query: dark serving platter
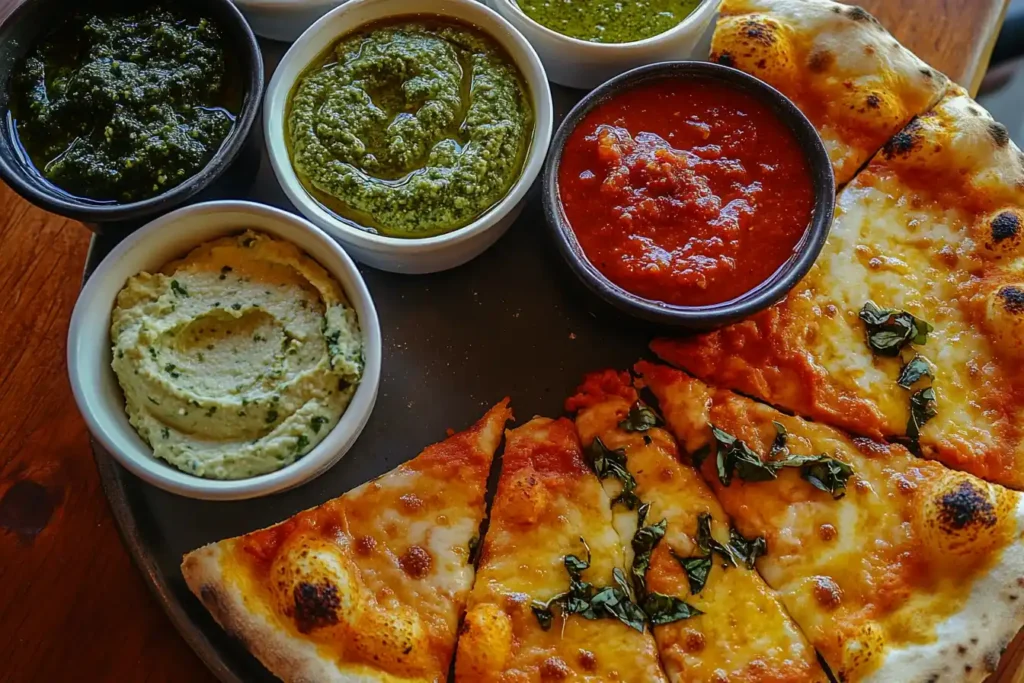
513, 322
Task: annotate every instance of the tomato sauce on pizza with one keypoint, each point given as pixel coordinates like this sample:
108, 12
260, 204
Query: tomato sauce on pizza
687, 192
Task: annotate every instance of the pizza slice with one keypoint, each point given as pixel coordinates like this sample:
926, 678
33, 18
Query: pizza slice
550, 601
368, 586
896, 568
679, 544
911, 323
846, 73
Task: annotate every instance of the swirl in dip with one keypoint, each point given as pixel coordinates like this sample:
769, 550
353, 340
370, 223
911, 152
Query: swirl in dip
237, 359
689, 192
411, 128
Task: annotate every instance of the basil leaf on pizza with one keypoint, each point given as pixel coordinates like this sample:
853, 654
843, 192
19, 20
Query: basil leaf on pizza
923, 407
612, 463
889, 330
666, 609
644, 541
640, 418
917, 368
697, 570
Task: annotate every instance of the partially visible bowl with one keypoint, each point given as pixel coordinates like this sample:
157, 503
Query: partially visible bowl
95, 386
30, 22
410, 255
284, 20
804, 254
583, 64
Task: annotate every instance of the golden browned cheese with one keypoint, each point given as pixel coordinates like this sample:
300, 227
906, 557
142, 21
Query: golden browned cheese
933, 227
915, 573
849, 76
744, 634
547, 500
368, 584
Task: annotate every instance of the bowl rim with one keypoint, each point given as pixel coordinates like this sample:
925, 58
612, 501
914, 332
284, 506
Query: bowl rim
139, 460
776, 286
317, 38
82, 209
622, 49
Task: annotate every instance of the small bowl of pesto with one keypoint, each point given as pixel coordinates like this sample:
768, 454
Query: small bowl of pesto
583, 43
226, 350
409, 130
112, 112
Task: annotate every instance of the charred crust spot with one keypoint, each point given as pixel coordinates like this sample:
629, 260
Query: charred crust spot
758, 32
554, 669
416, 562
365, 545
725, 59
902, 143
820, 60
926, 72
873, 101
827, 592
974, 111
1000, 136
1005, 226
587, 660
966, 505
961, 649
837, 10
974, 641
762, 63
316, 605
1013, 299
968, 668
860, 14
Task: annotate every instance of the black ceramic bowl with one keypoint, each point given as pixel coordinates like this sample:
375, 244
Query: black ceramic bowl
33, 19
696, 317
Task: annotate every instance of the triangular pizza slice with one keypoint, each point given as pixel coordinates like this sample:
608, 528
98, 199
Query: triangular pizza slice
550, 602
679, 544
848, 75
911, 323
896, 568
368, 586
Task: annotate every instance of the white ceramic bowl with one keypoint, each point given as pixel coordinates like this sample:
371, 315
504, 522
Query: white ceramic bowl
394, 254
583, 64
284, 19
95, 385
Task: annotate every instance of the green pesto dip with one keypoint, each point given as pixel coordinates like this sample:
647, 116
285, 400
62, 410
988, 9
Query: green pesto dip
609, 21
123, 106
411, 128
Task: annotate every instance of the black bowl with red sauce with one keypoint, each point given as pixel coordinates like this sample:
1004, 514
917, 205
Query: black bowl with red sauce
688, 194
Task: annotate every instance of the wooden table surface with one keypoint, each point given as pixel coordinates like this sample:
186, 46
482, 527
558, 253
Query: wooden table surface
72, 605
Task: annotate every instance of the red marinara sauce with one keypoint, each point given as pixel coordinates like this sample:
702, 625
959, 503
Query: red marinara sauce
687, 192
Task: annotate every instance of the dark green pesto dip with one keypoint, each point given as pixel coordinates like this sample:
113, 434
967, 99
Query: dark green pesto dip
411, 129
122, 107
609, 21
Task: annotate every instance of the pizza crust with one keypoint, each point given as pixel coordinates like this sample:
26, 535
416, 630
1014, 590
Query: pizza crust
287, 657
970, 643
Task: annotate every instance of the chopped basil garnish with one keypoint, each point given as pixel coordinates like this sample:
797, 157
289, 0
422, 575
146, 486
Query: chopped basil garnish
890, 330
922, 408
178, 289
913, 371
665, 609
640, 418
612, 463
697, 570
644, 541
740, 551
316, 422
822, 471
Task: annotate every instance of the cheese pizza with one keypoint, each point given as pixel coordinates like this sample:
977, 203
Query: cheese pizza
679, 543
368, 586
849, 76
548, 604
911, 323
896, 568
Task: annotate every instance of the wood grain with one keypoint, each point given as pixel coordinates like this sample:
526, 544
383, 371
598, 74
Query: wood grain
72, 606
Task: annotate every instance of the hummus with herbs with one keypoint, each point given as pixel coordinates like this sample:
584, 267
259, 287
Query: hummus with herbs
411, 129
238, 359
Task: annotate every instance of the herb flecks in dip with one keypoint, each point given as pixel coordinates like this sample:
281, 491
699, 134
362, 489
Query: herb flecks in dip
687, 192
411, 129
238, 359
609, 21
122, 107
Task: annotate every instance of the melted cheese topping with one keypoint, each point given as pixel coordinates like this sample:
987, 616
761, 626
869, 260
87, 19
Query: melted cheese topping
744, 633
852, 79
376, 578
884, 569
918, 232
547, 499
